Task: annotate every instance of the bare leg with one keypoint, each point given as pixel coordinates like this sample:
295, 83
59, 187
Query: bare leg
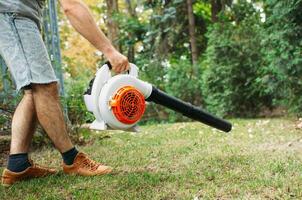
23, 124
50, 115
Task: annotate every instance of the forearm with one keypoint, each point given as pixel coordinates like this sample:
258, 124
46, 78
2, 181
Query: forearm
81, 19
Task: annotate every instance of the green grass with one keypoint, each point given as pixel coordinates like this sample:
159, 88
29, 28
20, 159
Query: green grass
260, 159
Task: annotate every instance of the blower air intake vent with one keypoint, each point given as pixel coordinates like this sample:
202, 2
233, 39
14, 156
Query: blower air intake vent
128, 105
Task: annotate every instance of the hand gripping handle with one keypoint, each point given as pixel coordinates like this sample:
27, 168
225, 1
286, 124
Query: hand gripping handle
133, 71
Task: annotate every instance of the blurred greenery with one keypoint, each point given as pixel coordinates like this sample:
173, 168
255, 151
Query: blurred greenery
233, 77
249, 55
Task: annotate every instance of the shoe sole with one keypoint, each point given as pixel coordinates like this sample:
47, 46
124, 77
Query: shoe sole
105, 172
8, 185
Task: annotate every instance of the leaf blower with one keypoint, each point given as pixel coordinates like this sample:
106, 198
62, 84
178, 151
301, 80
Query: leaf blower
119, 102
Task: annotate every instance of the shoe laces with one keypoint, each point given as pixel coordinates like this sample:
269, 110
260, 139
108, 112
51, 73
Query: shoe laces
90, 164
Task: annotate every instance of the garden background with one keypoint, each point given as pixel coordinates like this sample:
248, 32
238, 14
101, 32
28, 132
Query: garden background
238, 59
233, 58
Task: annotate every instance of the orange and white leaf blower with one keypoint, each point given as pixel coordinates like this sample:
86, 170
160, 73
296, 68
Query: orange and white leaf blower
119, 102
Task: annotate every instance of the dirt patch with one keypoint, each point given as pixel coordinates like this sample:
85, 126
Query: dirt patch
3, 158
295, 145
4, 149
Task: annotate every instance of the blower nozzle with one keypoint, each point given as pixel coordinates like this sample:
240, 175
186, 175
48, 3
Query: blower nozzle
159, 97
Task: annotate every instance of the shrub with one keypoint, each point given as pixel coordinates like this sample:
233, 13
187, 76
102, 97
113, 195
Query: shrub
283, 49
233, 79
77, 111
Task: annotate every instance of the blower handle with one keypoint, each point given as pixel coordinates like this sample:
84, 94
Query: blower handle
188, 110
110, 66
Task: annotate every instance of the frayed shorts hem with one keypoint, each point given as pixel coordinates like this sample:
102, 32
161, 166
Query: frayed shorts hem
23, 86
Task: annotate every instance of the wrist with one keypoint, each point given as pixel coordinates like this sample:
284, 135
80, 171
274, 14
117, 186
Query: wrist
108, 51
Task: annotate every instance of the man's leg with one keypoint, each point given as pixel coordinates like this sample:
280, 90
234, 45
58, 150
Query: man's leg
23, 124
50, 115
51, 118
23, 128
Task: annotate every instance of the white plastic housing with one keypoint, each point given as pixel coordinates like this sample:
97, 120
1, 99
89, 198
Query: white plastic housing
104, 88
109, 90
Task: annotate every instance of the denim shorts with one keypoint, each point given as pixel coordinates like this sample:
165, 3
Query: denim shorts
24, 52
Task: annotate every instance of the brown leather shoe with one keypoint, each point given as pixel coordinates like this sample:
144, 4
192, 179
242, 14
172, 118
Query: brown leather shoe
84, 166
35, 171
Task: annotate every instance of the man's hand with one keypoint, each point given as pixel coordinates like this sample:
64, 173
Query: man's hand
81, 19
118, 61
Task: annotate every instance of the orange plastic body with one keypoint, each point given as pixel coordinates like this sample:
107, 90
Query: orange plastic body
128, 105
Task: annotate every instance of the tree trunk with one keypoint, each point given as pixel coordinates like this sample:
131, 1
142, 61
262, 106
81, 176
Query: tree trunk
131, 49
131, 8
194, 50
217, 7
113, 31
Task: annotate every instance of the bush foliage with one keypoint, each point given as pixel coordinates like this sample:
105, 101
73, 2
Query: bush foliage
233, 76
283, 50
251, 64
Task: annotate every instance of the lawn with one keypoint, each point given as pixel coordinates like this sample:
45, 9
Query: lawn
259, 159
